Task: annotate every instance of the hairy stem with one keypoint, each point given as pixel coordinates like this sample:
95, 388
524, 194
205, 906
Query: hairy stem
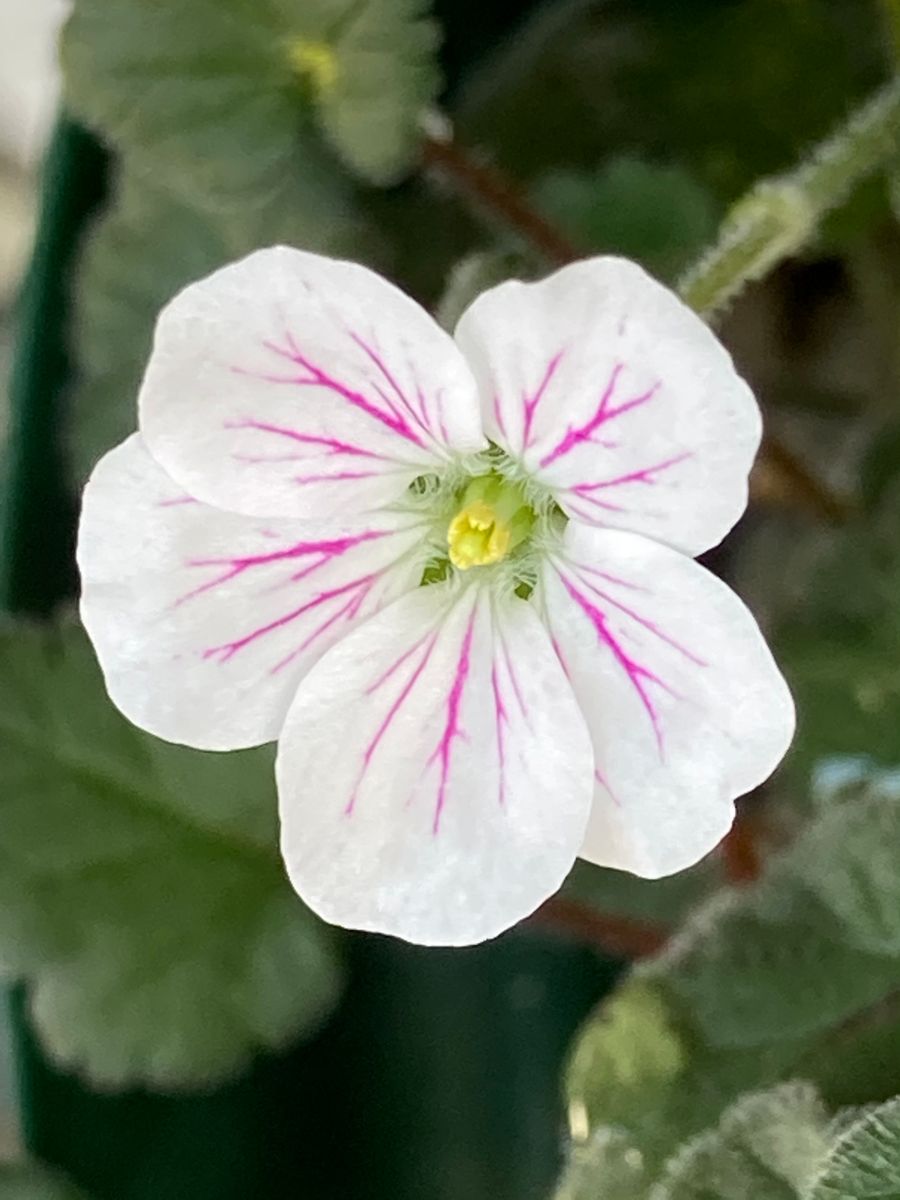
780, 215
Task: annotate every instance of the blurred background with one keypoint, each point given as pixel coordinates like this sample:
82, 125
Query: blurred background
175, 1023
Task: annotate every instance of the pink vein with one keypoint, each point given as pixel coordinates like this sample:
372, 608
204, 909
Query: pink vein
444, 749
395, 707
644, 622
316, 377
326, 551
227, 650
639, 676
602, 415
647, 475
307, 439
531, 403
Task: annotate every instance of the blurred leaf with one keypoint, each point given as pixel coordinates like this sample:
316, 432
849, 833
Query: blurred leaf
733, 91
26, 1181
386, 76
770, 964
607, 1166
763, 983
632, 1052
146, 247
212, 94
476, 273
141, 894
861, 886
767, 1146
865, 1163
840, 648
144, 250
663, 901
659, 215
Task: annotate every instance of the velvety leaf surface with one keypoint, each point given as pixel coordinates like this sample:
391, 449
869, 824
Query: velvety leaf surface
141, 894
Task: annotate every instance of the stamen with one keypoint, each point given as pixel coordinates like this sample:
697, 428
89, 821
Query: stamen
492, 521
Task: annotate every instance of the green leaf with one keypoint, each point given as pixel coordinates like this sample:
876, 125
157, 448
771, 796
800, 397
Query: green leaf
767, 1146
865, 1163
607, 1166
141, 253
385, 77
861, 884
659, 215
26, 1181
476, 273
141, 894
631, 1051
663, 901
147, 247
769, 964
211, 95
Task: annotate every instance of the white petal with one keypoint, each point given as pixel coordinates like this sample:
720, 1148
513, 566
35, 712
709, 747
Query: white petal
204, 621
294, 385
686, 707
613, 393
434, 772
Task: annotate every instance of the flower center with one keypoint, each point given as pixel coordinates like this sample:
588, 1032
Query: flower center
493, 519
315, 60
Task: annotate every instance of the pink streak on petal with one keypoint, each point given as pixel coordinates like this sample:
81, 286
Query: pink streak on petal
502, 721
337, 477
348, 611
176, 501
531, 403
602, 415
391, 714
395, 666
324, 550
444, 749
316, 377
227, 650
381, 366
602, 780
306, 439
638, 675
645, 623
646, 475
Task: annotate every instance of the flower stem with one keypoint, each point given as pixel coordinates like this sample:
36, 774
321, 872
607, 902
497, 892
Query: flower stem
621, 937
497, 194
777, 216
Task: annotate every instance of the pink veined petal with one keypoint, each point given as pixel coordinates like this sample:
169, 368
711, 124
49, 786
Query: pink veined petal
686, 708
293, 385
434, 772
205, 621
615, 395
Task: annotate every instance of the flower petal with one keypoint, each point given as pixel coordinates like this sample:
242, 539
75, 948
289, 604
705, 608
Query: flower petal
295, 385
434, 772
686, 707
204, 621
613, 393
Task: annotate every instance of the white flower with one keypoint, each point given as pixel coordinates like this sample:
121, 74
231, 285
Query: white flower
452, 577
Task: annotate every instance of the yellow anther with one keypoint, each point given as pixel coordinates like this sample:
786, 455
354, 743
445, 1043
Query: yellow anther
476, 536
316, 60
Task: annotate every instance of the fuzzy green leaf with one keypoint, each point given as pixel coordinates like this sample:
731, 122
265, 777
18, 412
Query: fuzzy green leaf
632, 1053
26, 1181
767, 1146
141, 894
607, 1166
659, 215
214, 94
865, 1163
146, 247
